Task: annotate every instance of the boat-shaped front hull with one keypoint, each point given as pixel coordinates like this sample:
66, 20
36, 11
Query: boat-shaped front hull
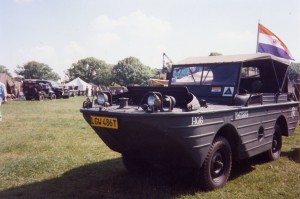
157, 139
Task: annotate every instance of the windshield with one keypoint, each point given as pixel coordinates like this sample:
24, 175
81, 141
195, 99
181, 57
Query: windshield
221, 74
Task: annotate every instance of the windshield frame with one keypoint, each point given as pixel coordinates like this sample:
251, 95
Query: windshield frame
205, 74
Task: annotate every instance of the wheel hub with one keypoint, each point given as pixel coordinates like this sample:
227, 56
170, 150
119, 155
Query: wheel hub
274, 145
217, 164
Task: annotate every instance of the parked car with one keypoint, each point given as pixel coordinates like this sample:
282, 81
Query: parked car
215, 110
41, 89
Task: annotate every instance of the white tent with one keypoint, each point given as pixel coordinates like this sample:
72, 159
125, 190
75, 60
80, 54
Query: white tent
82, 85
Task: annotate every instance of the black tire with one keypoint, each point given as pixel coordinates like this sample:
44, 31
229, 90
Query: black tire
275, 151
135, 165
217, 165
53, 97
28, 98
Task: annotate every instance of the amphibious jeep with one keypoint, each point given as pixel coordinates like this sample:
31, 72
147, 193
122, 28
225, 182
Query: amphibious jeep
215, 110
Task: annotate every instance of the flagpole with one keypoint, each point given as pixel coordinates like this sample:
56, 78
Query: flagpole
257, 36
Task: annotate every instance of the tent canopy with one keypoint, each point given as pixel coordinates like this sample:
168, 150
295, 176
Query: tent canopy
82, 85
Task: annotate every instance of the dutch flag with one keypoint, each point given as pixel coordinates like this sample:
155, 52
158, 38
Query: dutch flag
268, 42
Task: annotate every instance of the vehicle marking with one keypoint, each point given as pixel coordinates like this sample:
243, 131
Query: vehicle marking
228, 91
105, 122
195, 126
241, 115
250, 116
197, 120
215, 89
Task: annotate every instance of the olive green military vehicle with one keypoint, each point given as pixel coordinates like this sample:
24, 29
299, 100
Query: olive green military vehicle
215, 110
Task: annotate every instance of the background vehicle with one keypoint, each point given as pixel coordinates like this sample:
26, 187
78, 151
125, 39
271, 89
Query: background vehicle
41, 89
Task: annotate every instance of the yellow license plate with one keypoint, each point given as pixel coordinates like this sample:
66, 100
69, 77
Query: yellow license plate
106, 122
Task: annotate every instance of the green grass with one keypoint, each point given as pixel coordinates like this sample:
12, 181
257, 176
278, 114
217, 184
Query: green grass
47, 150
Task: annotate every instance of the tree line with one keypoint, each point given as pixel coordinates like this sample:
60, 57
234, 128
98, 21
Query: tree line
92, 70
127, 71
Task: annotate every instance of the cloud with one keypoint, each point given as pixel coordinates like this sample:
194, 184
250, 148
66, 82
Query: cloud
134, 24
72, 52
106, 38
74, 49
41, 53
235, 42
23, 1
235, 36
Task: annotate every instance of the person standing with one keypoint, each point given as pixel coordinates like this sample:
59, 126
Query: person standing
3, 95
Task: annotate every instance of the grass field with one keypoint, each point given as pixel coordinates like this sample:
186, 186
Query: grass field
47, 150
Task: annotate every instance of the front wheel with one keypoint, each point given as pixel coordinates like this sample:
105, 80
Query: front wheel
53, 97
275, 151
217, 164
41, 97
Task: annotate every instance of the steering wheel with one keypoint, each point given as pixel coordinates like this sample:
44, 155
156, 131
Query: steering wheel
243, 91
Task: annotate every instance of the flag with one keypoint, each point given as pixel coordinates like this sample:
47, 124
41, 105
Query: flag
268, 42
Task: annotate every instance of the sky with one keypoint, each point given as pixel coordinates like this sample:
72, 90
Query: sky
61, 32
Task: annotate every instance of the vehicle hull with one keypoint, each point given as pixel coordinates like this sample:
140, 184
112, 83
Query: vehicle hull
182, 139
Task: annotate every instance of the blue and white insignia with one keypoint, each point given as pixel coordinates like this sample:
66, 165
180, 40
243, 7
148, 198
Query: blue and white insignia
228, 91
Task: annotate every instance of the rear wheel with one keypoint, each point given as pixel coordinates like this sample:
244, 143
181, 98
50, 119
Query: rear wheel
217, 164
275, 151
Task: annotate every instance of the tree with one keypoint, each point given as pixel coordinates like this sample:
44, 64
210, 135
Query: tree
91, 70
131, 71
36, 70
3, 69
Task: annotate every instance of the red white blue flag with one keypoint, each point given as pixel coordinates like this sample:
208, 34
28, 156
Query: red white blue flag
268, 42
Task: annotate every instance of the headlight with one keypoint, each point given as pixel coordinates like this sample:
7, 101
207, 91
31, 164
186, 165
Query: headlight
102, 98
153, 103
151, 100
